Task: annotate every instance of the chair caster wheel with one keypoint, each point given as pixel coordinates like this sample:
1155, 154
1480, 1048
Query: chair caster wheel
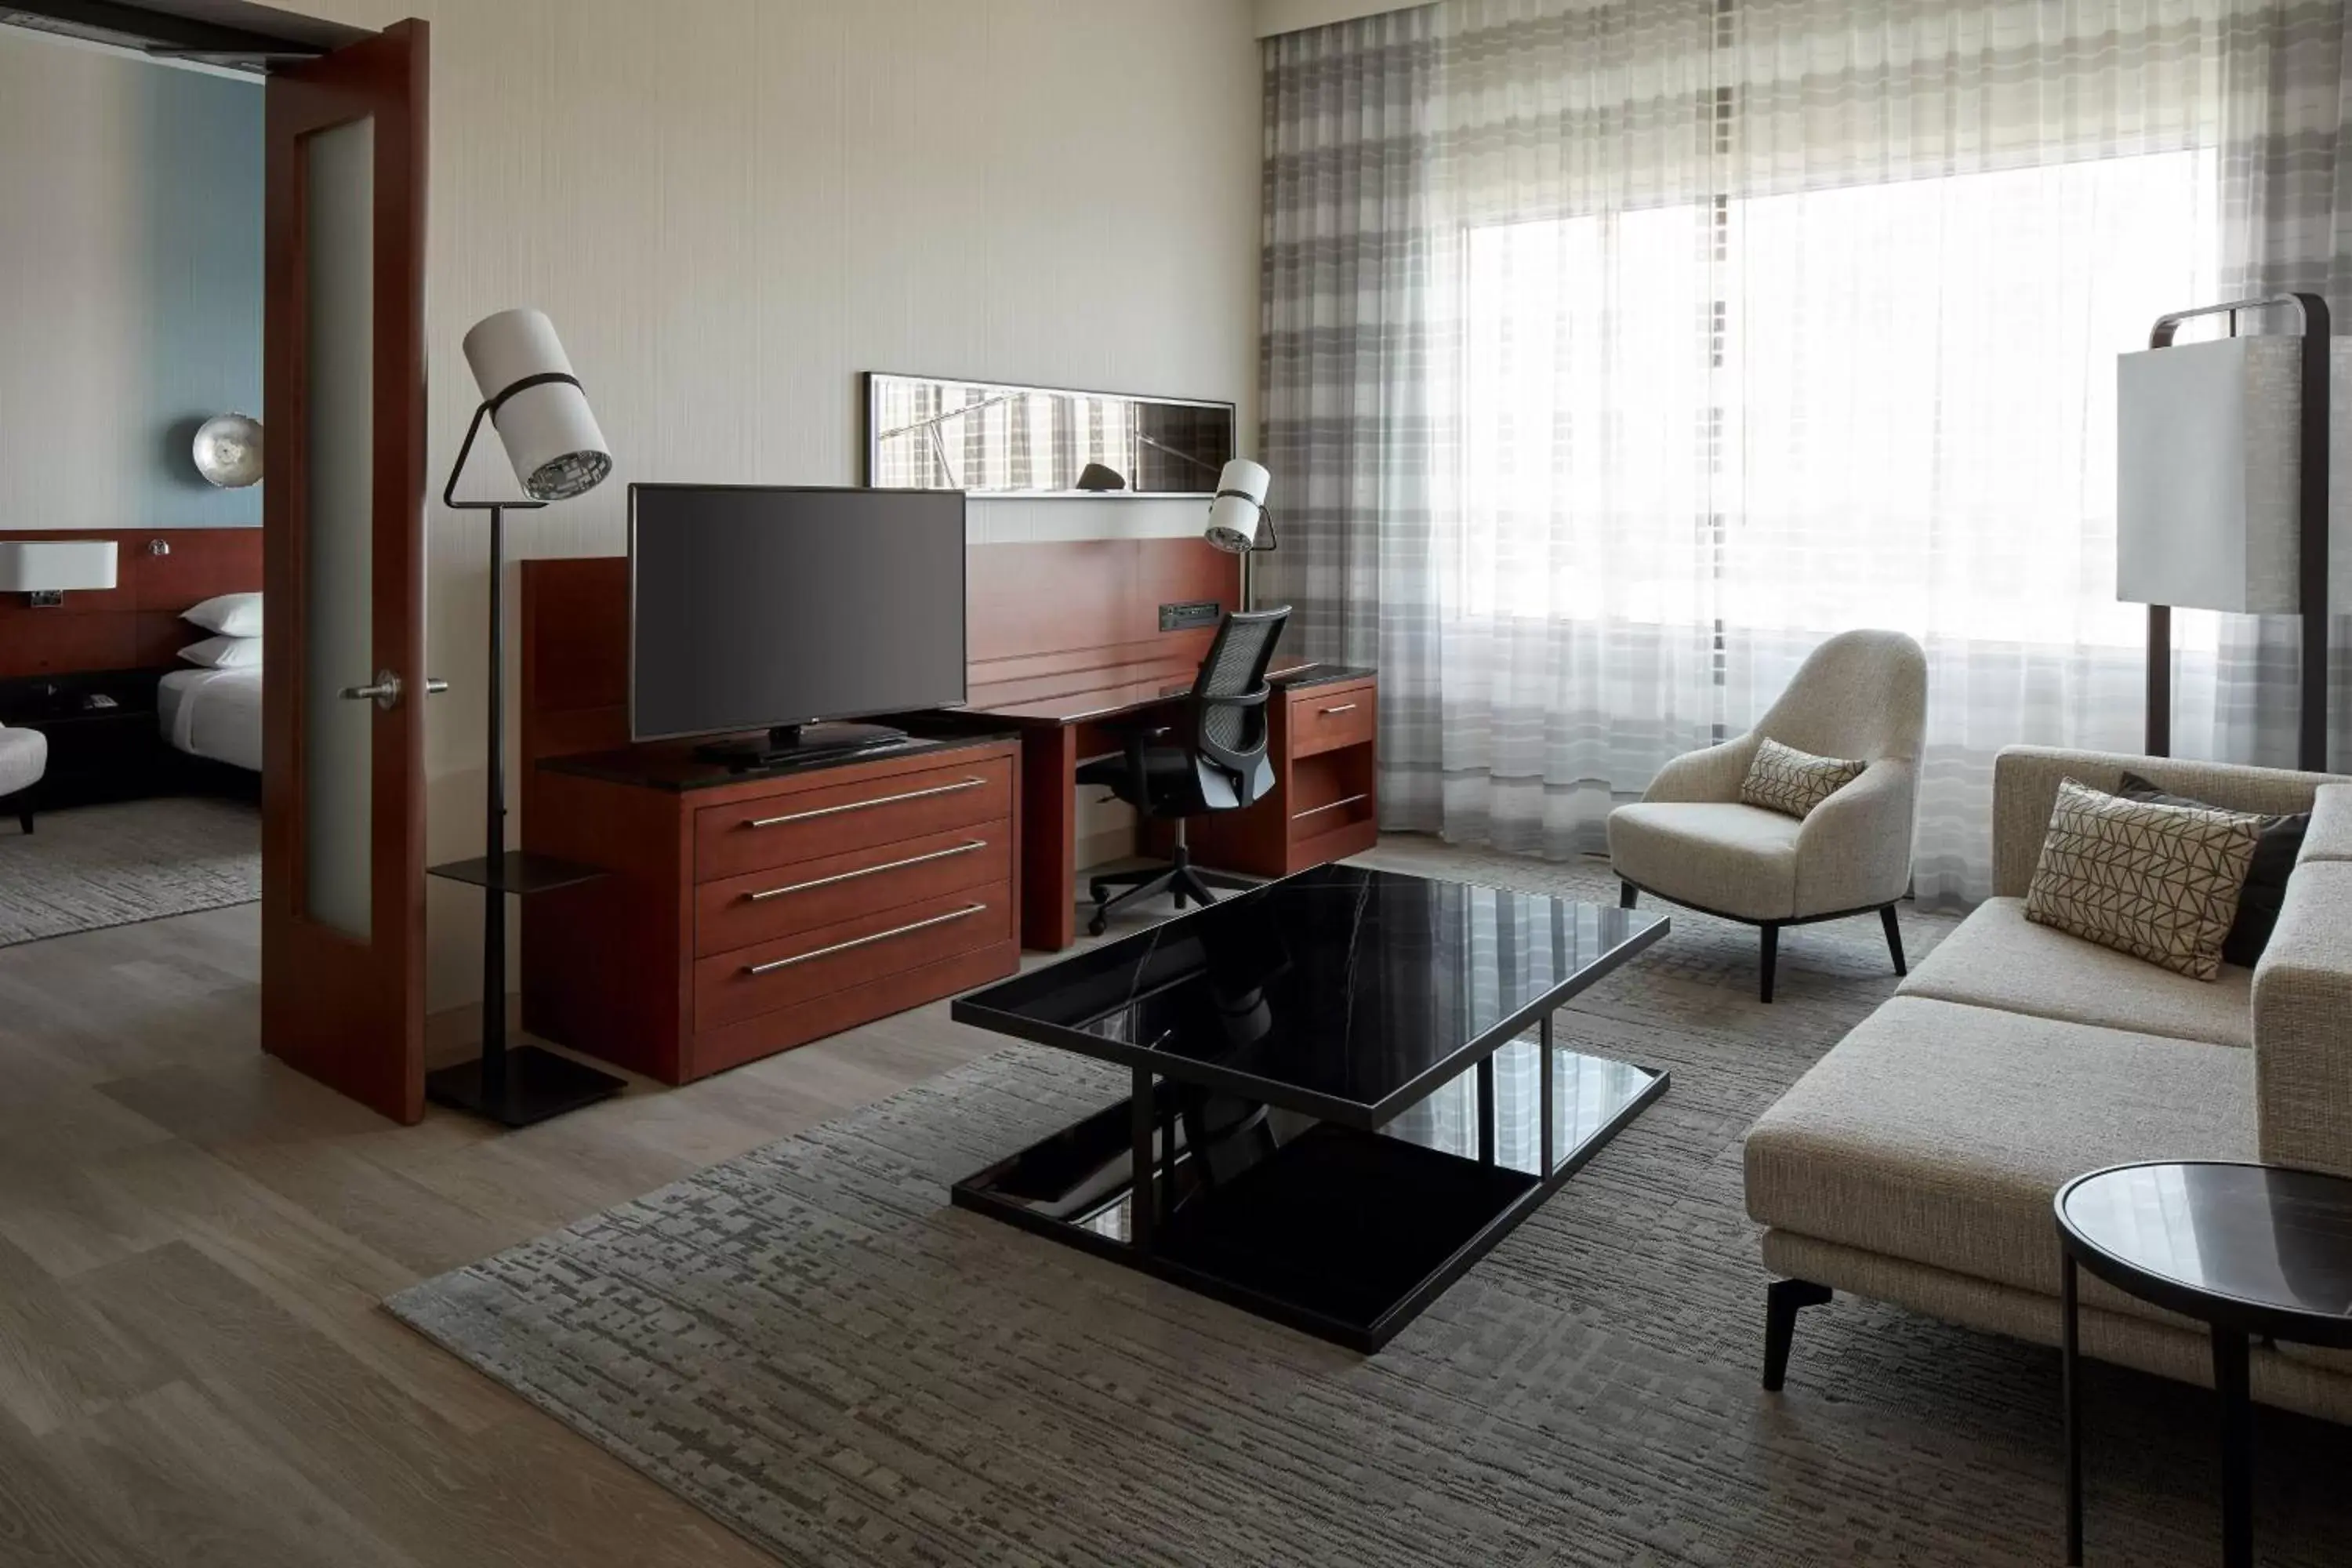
1097, 925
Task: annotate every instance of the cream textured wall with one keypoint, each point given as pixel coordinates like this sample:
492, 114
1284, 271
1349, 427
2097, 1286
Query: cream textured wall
732, 207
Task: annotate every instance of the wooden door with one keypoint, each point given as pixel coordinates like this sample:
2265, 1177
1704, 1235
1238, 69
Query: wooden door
342, 917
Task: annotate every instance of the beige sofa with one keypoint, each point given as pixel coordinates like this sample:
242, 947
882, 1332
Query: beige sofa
1916, 1163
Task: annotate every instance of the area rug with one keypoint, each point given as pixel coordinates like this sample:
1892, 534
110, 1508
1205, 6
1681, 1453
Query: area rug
99, 866
810, 1343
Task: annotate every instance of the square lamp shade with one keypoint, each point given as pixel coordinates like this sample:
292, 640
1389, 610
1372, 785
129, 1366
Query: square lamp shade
52, 565
2208, 468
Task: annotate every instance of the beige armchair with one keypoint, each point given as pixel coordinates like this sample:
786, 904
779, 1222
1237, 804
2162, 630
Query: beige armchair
1691, 841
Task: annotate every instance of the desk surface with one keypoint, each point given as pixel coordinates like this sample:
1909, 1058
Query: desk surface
1111, 690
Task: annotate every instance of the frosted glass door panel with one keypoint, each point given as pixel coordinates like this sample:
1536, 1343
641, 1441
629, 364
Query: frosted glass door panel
339, 523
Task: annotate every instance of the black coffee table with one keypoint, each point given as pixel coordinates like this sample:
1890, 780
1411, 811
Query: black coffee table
1331, 1107
2247, 1249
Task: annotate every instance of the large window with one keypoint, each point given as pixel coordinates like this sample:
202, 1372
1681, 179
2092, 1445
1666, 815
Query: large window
1889, 404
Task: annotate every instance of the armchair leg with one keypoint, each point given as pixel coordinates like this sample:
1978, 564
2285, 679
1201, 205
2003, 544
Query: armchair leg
1770, 931
1782, 1301
1627, 895
25, 815
1893, 936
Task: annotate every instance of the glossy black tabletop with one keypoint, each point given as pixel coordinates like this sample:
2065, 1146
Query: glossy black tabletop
2255, 1246
1345, 992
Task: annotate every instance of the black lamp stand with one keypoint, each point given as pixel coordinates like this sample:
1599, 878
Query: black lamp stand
520, 1085
2311, 565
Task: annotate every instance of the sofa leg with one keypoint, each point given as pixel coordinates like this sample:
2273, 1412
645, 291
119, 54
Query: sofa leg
1893, 936
25, 819
1782, 1301
1771, 956
1627, 895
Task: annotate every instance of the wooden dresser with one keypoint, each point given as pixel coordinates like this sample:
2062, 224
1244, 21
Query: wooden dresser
749, 913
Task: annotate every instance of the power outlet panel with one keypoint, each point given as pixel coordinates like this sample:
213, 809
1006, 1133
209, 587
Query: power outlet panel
1187, 615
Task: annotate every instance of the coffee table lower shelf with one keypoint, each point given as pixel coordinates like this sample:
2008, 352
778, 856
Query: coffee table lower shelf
1341, 1233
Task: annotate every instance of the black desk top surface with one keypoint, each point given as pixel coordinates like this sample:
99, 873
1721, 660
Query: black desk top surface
672, 764
1107, 694
1343, 992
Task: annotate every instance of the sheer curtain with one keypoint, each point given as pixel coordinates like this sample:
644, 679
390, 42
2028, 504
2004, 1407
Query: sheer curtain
1734, 323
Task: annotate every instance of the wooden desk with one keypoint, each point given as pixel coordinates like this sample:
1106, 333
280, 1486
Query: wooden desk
1322, 738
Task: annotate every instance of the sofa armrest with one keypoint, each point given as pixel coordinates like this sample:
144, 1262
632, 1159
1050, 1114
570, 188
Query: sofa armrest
1854, 849
2025, 787
2302, 1025
1714, 773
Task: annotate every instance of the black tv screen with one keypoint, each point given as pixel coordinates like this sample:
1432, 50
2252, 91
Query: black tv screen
754, 606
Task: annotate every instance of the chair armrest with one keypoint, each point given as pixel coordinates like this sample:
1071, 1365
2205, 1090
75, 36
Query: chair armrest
1855, 849
2303, 1051
1712, 773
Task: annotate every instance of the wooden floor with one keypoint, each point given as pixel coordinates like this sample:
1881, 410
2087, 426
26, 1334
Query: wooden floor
194, 1239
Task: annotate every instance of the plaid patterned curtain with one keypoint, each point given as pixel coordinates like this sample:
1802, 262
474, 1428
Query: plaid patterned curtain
1617, 351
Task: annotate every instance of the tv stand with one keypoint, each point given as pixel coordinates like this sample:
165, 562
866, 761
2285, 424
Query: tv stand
798, 742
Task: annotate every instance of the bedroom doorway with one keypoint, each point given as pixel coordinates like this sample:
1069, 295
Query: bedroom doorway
322, 729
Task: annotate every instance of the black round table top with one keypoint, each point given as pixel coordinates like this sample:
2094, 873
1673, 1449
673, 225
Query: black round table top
2258, 1248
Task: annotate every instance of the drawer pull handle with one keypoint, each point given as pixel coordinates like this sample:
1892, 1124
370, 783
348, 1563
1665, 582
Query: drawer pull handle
1342, 708
947, 854
1332, 805
775, 964
955, 788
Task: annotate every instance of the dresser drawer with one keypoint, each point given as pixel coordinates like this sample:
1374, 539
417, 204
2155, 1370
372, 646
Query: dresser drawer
810, 964
784, 830
1328, 718
761, 905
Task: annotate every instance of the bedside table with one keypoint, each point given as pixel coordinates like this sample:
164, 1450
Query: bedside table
104, 742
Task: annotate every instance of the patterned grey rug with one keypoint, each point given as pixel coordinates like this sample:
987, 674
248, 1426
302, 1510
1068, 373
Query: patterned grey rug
812, 1345
98, 866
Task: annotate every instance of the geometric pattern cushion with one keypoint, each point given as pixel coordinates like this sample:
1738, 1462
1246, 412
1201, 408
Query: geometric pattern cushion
2265, 894
2160, 882
1785, 779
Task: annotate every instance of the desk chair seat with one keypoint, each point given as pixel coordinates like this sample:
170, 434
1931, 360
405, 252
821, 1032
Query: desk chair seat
1214, 761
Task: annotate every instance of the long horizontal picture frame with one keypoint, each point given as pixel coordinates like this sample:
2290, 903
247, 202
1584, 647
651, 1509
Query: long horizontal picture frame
999, 438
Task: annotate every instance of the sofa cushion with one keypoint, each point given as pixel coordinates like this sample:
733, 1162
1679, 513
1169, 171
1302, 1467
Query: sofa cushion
2160, 882
1784, 779
1735, 859
2329, 836
1940, 1133
1998, 958
24, 758
2265, 886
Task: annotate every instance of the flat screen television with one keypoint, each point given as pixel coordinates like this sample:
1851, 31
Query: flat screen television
785, 610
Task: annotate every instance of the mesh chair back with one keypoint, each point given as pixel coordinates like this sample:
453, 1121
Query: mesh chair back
1229, 695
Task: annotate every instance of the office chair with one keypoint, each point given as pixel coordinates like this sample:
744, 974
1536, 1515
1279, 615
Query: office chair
1218, 765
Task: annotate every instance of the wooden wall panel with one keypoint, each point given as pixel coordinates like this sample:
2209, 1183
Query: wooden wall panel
136, 623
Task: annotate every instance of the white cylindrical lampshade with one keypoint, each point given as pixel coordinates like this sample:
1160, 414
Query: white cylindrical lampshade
549, 431
52, 565
1239, 512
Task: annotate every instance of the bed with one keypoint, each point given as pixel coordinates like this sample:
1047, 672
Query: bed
213, 713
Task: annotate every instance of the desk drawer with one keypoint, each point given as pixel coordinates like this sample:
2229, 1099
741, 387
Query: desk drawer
761, 905
786, 829
1329, 717
810, 964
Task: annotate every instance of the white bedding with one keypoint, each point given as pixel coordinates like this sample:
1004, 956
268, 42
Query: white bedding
214, 713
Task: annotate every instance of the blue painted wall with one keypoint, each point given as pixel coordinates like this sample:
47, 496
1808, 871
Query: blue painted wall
130, 285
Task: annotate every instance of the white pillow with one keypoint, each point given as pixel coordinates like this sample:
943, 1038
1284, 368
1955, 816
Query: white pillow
225, 653
231, 615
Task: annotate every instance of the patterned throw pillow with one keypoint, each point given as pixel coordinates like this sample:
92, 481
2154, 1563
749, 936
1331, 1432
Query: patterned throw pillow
2160, 882
1783, 778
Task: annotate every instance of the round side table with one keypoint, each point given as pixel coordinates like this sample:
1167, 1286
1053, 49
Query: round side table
2246, 1249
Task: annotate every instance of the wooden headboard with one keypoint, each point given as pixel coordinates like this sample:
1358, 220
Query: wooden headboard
135, 625
1039, 615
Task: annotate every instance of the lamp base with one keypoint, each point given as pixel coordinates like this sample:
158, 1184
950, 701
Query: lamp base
535, 1086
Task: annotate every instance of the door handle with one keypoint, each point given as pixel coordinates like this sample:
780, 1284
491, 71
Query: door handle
383, 691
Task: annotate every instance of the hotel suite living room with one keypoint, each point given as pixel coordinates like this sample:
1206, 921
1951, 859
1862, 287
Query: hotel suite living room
1176, 782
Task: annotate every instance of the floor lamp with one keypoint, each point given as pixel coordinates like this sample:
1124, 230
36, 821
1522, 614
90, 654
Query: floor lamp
535, 402
2221, 491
